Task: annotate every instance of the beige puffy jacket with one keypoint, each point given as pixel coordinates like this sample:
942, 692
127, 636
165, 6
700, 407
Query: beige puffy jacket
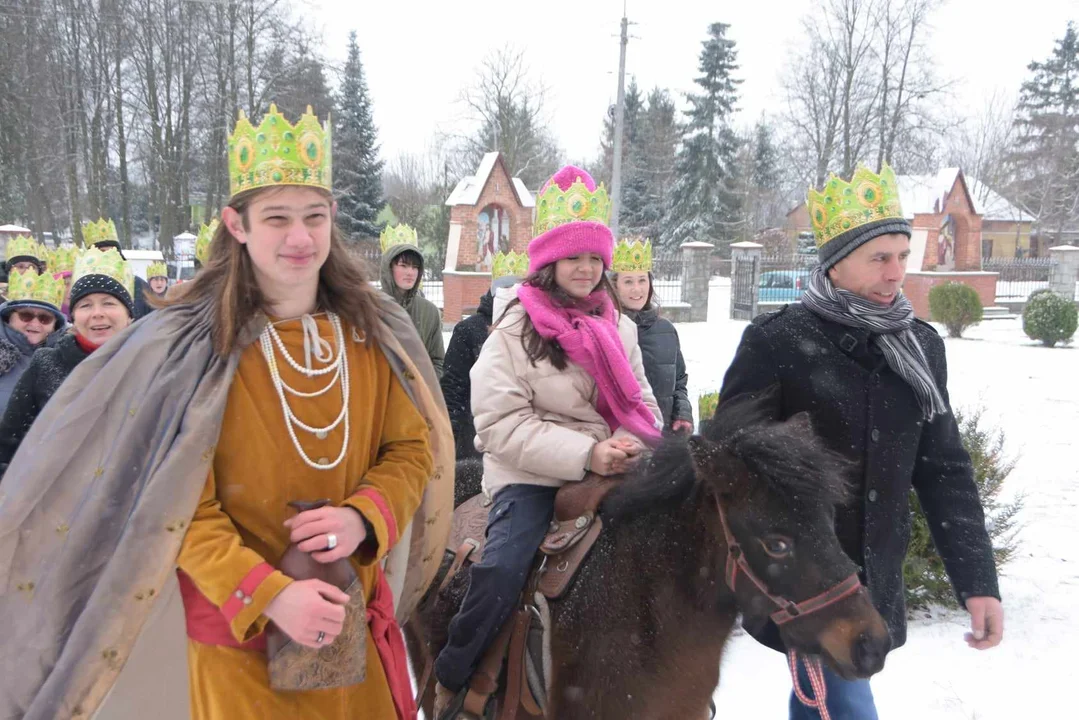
537, 424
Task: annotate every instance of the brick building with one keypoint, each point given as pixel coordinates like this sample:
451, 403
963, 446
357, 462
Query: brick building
490, 212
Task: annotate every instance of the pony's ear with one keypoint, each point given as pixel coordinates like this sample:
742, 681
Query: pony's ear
713, 464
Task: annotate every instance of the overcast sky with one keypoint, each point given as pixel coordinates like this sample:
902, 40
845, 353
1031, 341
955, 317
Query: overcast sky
419, 54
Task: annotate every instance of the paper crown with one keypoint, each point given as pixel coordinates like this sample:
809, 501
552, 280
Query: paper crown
107, 262
398, 235
202, 241
30, 285
511, 263
280, 153
632, 255
97, 232
577, 203
62, 259
157, 269
23, 246
844, 206
707, 404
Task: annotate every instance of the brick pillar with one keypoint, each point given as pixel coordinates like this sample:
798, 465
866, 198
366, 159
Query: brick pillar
1063, 274
745, 279
696, 269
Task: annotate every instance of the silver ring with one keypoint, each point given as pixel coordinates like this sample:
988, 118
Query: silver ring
320, 638
331, 541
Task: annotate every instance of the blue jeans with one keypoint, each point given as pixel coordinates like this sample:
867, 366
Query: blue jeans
847, 699
516, 525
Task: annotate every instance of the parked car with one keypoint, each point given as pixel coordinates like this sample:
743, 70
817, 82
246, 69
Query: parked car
782, 286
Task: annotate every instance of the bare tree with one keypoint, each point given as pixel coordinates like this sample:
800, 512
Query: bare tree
980, 144
506, 109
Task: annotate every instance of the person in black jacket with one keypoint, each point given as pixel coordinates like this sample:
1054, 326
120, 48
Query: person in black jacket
464, 348
660, 348
874, 380
101, 306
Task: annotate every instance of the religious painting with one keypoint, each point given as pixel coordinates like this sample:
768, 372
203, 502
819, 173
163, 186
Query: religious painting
946, 244
492, 236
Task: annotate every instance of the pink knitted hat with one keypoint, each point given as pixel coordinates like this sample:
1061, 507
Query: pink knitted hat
571, 219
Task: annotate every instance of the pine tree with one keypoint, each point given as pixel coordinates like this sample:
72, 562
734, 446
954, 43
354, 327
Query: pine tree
1046, 157
704, 200
357, 169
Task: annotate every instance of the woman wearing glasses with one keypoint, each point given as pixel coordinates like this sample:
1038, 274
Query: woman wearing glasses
101, 307
31, 320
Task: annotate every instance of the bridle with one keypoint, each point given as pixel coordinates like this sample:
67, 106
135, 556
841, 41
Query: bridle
788, 610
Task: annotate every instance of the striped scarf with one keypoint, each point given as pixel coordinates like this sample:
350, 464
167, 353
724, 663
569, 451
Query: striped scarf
889, 326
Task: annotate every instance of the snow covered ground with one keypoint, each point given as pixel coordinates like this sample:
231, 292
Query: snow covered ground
1032, 393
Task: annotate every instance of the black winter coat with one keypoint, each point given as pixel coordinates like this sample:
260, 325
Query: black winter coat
48, 370
865, 411
465, 345
663, 365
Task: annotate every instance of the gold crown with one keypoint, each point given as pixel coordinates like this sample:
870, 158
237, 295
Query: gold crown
97, 232
398, 235
202, 242
23, 246
62, 259
30, 285
507, 264
556, 206
632, 255
707, 404
843, 206
280, 153
107, 262
157, 269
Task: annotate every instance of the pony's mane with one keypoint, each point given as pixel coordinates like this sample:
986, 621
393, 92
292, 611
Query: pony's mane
785, 457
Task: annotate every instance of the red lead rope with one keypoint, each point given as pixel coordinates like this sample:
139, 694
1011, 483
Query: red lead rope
815, 671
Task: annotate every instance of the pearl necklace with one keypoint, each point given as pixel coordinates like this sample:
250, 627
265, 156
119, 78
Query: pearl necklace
315, 345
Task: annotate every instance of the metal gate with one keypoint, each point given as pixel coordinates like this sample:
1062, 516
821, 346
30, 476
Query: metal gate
744, 276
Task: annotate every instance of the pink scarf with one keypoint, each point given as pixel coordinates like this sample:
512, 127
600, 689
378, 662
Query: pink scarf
592, 342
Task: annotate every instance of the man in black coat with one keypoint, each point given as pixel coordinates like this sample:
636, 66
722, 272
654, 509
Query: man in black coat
874, 380
463, 351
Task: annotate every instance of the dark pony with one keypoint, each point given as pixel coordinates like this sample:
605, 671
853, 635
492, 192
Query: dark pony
641, 632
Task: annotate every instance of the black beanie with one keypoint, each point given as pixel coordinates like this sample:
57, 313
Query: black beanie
90, 284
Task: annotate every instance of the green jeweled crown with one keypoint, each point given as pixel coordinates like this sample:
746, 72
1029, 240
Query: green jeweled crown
280, 153
632, 255
23, 246
30, 285
511, 263
108, 262
398, 235
202, 241
157, 269
62, 259
97, 232
707, 404
556, 206
844, 206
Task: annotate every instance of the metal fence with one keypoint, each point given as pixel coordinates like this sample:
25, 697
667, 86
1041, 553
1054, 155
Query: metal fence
1019, 277
667, 277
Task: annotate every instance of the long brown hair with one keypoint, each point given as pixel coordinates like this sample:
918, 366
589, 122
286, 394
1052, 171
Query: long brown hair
535, 345
228, 280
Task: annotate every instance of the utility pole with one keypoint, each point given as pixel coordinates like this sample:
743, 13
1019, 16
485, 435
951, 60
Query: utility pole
619, 118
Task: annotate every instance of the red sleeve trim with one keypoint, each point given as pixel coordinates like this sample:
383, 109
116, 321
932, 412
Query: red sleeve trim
383, 507
245, 591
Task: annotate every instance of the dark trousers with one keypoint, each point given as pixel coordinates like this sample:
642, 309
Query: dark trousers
516, 525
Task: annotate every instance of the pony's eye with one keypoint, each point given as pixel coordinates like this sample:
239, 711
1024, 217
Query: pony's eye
777, 546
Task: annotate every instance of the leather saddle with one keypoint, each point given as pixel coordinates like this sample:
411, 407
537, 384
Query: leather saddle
570, 537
